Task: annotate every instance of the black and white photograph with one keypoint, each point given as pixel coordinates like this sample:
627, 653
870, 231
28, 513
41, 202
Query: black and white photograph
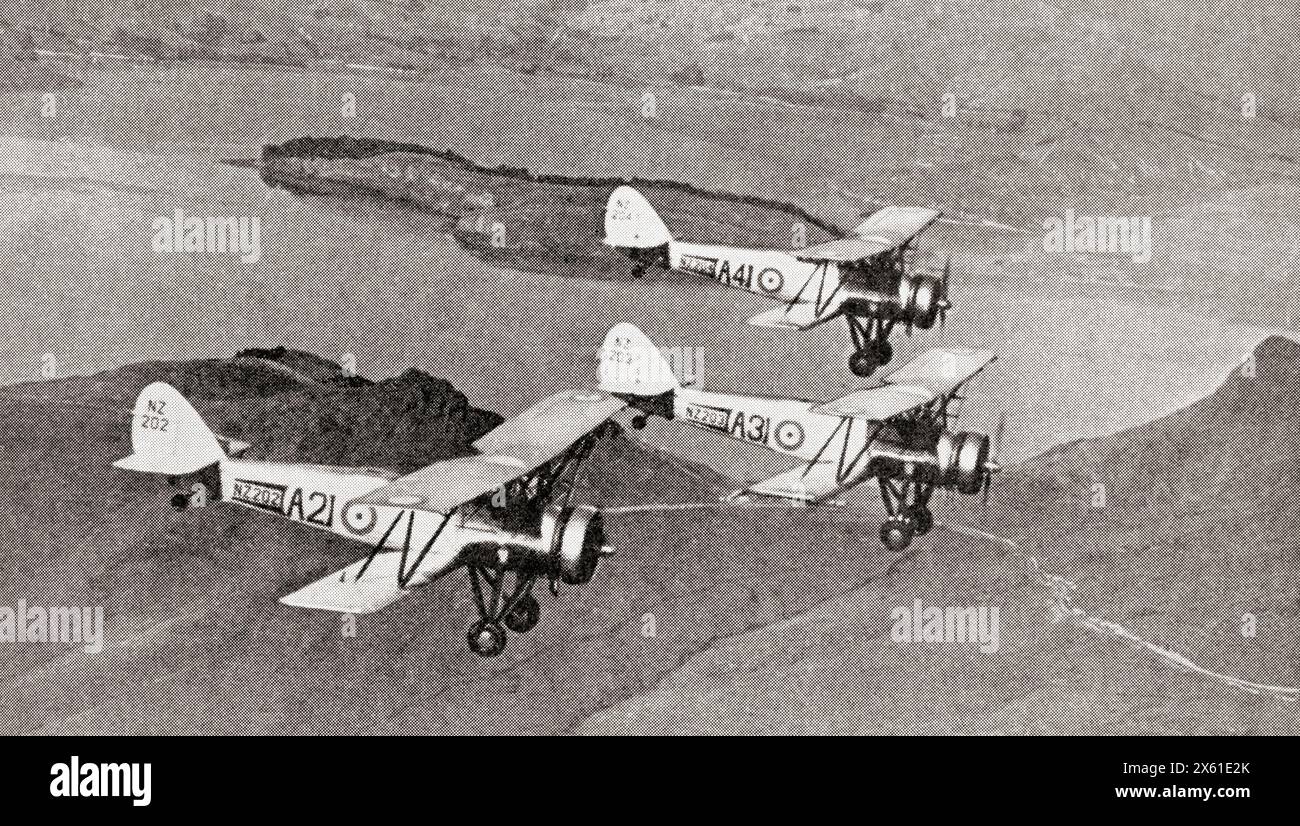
650, 367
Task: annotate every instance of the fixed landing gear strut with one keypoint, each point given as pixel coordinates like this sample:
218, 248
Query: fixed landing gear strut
907, 504
871, 347
516, 609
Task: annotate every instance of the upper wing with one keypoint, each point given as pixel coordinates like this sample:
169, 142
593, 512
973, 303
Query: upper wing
930, 376
519, 446
886, 229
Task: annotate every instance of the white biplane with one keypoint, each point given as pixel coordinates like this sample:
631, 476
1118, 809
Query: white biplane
897, 433
505, 510
872, 277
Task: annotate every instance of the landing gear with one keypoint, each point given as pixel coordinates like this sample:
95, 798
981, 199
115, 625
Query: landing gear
920, 518
524, 615
487, 639
896, 533
516, 608
871, 347
908, 504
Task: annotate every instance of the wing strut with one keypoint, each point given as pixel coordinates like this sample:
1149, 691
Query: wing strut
403, 573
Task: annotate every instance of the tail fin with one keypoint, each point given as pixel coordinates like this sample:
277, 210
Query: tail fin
168, 436
631, 223
631, 365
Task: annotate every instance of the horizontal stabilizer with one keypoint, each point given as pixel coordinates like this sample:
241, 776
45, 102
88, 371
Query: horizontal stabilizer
233, 447
930, 376
340, 591
801, 316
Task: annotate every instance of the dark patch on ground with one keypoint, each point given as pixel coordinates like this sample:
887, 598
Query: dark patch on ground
549, 224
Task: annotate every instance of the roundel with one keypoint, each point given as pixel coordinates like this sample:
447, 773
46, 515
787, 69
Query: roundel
359, 519
770, 280
789, 435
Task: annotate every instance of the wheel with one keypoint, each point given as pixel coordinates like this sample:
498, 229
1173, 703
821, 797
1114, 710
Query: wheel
181, 501
862, 363
896, 534
487, 639
883, 351
639, 422
524, 615
921, 518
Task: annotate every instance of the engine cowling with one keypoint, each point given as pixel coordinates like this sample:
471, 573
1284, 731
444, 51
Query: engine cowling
960, 461
919, 298
569, 547
963, 461
576, 538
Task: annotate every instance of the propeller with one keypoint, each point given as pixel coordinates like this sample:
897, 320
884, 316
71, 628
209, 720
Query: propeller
992, 465
944, 303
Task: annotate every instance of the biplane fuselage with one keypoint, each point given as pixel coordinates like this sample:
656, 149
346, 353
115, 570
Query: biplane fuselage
867, 278
786, 426
772, 273
324, 498
896, 432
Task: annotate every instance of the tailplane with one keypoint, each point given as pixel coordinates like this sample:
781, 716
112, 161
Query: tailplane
168, 436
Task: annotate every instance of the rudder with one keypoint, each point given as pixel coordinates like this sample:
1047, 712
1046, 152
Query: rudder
631, 223
631, 365
168, 436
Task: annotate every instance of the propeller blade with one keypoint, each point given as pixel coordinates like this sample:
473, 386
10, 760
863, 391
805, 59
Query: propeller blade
997, 437
992, 465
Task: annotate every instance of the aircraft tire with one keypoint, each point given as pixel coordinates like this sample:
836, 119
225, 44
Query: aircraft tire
487, 639
896, 534
862, 364
883, 352
921, 518
524, 615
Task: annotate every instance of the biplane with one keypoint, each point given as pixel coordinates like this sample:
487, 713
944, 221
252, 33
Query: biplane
897, 433
872, 278
504, 511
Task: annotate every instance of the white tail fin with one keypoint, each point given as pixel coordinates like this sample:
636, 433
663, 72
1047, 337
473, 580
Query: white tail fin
631, 223
168, 436
630, 364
